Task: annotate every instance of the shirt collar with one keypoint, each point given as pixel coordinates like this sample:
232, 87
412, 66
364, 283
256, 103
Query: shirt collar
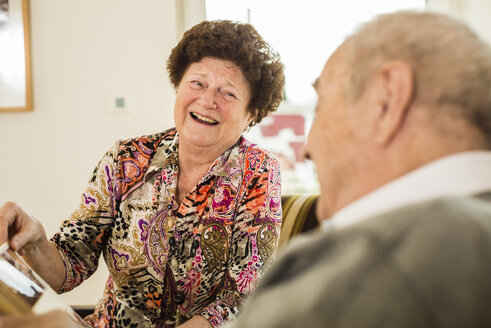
229, 161
166, 155
460, 174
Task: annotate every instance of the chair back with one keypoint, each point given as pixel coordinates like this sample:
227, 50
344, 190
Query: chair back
298, 216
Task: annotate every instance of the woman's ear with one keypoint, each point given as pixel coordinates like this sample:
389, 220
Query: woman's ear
250, 118
395, 80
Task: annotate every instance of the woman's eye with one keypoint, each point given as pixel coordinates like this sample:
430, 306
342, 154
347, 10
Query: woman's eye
230, 94
197, 83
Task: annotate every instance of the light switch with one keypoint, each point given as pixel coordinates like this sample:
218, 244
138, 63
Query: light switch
119, 104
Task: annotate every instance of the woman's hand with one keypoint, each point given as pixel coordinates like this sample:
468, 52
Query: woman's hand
197, 321
19, 229
54, 319
26, 235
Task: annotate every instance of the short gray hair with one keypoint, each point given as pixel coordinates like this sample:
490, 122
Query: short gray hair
451, 64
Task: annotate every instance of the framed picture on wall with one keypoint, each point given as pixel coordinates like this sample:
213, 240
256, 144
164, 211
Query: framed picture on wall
15, 57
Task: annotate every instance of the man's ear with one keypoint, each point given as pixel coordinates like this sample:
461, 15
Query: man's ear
395, 80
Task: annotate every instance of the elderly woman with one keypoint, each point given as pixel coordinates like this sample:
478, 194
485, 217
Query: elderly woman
188, 219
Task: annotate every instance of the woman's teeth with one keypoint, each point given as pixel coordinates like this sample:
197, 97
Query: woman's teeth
204, 119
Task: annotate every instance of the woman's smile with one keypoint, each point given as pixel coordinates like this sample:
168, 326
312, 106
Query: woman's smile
203, 119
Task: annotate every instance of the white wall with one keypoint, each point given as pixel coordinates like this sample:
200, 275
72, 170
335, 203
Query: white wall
189, 13
84, 53
476, 13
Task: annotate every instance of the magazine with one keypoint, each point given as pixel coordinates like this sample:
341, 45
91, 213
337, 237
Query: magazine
22, 291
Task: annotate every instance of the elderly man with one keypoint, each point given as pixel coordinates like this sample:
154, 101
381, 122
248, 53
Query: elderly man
401, 142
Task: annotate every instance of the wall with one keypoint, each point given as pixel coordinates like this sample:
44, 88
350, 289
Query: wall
84, 53
476, 13
189, 13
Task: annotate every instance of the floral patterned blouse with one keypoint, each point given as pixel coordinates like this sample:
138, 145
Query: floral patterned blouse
168, 262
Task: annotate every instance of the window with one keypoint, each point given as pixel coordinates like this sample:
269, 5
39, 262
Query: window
304, 33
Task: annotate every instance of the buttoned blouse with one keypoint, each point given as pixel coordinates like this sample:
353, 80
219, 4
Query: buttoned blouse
170, 261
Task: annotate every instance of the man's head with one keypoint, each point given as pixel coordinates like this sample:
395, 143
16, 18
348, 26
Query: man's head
405, 89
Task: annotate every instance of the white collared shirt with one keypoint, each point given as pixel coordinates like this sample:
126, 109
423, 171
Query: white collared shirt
461, 174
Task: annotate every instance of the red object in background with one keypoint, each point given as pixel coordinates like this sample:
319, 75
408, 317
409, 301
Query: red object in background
297, 146
280, 122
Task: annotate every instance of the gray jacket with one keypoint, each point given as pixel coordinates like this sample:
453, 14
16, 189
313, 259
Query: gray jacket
423, 265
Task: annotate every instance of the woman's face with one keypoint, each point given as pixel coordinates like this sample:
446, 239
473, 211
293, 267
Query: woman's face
211, 105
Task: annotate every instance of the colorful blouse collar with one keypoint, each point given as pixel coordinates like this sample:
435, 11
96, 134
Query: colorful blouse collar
166, 155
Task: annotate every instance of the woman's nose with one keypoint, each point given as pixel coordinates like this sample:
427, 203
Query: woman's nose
208, 99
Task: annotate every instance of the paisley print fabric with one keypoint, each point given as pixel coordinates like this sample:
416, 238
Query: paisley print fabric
170, 261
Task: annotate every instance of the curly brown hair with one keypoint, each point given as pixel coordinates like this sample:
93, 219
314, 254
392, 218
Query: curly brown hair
241, 44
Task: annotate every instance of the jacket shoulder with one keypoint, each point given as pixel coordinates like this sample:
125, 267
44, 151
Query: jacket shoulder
428, 252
